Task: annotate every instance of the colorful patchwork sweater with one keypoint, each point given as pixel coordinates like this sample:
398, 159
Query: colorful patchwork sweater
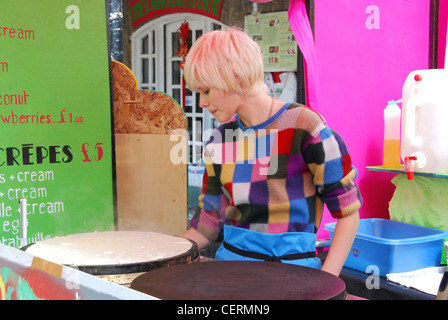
276, 176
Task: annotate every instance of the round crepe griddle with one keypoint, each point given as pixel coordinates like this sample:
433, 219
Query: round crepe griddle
188, 257
144, 265
240, 280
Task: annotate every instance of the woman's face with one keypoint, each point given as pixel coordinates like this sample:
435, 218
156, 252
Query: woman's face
221, 105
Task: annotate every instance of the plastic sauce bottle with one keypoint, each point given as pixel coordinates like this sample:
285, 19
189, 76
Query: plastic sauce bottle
391, 150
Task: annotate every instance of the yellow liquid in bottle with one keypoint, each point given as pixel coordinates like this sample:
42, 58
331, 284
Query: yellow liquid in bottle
391, 154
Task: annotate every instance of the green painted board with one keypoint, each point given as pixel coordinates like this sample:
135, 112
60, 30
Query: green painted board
55, 118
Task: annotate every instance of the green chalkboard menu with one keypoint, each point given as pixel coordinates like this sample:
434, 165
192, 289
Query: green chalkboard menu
55, 118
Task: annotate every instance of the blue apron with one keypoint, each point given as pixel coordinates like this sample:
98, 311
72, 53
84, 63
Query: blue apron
291, 247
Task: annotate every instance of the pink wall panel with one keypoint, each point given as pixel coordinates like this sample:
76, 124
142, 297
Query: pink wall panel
364, 52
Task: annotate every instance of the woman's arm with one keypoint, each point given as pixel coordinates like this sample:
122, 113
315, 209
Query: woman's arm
195, 236
343, 236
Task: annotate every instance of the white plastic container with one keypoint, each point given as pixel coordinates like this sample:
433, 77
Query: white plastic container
425, 120
391, 149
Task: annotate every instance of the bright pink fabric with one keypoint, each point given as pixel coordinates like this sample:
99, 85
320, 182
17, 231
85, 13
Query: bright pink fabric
360, 59
300, 25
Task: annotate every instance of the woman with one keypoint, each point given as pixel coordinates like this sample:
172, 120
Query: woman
270, 166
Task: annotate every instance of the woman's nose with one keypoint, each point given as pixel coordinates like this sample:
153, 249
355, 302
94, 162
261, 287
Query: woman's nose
203, 103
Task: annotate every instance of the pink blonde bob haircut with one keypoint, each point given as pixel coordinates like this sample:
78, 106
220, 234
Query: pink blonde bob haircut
228, 60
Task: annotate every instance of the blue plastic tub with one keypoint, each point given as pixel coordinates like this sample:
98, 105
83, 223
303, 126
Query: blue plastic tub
393, 246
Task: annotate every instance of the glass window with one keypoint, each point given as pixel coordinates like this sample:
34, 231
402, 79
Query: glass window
176, 95
145, 44
198, 33
145, 70
198, 129
198, 109
175, 72
190, 127
175, 43
198, 153
190, 154
154, 54
197, 97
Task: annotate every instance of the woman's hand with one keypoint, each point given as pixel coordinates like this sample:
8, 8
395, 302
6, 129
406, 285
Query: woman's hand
195, 236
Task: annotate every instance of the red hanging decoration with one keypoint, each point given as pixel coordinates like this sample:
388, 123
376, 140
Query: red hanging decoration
183, 32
